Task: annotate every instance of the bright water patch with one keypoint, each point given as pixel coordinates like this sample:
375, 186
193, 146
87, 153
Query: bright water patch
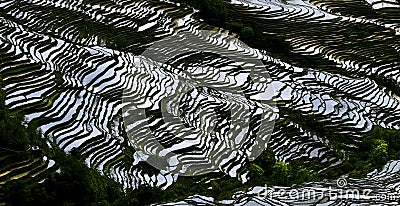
201, 117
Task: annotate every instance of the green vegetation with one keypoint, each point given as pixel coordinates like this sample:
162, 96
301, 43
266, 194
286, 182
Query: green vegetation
215, 10
247, 33
280, 173
77, 184
371, 152
13, 134
221, 14
264, 170
389, 83
376, 148
218, 13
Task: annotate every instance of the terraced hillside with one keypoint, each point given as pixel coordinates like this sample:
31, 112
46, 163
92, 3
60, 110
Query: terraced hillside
150, 92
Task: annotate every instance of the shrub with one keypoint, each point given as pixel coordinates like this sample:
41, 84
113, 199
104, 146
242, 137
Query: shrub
247, 33
303, 175
379, 153
280, 173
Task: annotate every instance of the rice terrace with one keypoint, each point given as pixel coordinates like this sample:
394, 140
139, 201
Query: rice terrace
200, 102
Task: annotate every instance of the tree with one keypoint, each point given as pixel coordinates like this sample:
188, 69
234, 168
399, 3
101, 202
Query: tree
247, 33
379, 153
235, 27
280, 173
214, 10
303, 175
